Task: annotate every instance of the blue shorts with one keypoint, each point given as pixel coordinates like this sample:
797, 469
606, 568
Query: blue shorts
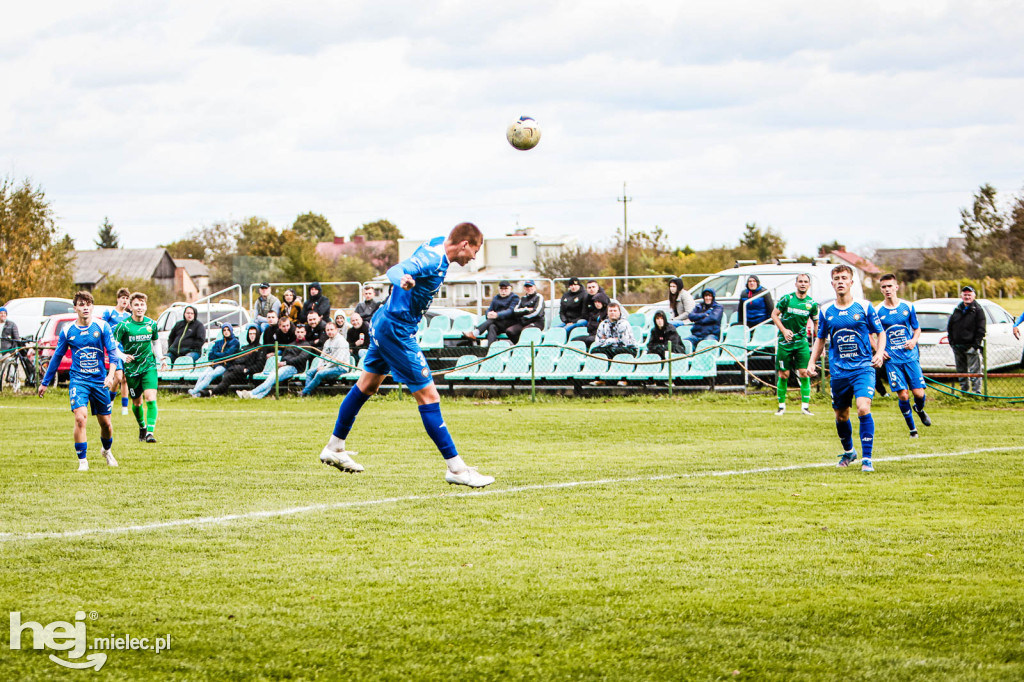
96, 396
904, 375
848, 386
393, 350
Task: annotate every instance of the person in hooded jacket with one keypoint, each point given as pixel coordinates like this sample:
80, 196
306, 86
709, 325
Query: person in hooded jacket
283, 334
753, 311
291, 305
187, 337
597, 312
316, 301
680, 302
573, 306
294, 359
241, 368
614, 334
664, 337
225, 346
706, 318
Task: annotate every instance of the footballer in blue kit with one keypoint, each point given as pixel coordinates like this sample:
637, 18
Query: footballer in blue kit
114, 317
902, 357
89, 384
393, 350
855, 350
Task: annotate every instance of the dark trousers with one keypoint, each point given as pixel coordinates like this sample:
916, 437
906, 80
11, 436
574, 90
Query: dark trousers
516, 330
968, 361
233, 376
493, 328
614, 349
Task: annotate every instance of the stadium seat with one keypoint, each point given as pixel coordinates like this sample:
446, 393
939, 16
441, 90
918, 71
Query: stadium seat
617, 371
687, 347
734, 345
730, 319
268, 368
578, 345
498, 346
680, 365
545, 361
643, 372
637, 319
577, 332
492, 366
555, 336
441, 322
517, 364
431, 338
462, 323
594, 367
640, 333
764, 335
701, 366
530, 334
352, 375
421, 325
460, 374
567, 366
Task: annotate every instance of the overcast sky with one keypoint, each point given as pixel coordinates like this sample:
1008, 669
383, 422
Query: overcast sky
867, 122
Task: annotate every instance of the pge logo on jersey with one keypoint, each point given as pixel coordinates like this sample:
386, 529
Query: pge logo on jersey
71, 637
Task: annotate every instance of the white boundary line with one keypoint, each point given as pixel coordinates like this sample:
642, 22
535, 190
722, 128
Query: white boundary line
274, 513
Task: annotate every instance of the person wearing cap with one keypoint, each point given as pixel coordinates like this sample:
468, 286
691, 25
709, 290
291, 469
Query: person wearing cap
528, 313
263, 305
966, 330
316, 301
706, 317
573, 306
368, 306
224, 347
9, 337
500, 314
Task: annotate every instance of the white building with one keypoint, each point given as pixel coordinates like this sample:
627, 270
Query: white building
512, 257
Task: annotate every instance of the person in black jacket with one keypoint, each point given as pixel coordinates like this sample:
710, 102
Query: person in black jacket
966, 329
187, 337
316, 301
358, 337
500, 314
294, 358
282, 334
597, 311
573, 307
528, 313
368, 306
316, 332
241, 369
664, 337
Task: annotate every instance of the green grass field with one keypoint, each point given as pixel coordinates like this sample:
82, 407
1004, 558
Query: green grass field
607, 549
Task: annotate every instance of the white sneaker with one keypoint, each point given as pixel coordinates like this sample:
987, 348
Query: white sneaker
806, 411
109, 456
83, 464
470, 476
781, 411
245, 395
124, 410
342, 461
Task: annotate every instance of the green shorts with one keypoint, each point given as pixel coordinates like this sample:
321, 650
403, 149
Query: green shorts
141, 382
792, 358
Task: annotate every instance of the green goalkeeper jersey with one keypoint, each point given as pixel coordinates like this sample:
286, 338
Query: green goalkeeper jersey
795, 312
136, 338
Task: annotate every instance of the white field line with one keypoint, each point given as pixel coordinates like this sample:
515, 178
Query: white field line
274, 513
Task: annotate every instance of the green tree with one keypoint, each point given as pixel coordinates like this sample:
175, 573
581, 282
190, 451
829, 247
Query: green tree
218, 242
834, 245
378, 230
257, 237
995, 236
762, 244
313, 227
159, 296
33, 260
107, 237
185, 248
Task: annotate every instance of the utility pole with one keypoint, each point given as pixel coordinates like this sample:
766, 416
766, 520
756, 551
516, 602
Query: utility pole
625, 229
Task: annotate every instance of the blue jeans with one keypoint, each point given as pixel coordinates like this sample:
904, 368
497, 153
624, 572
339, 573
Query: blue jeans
318, 374
694, 340
570, 327
172, 356
207, 377
678, 323
284, 372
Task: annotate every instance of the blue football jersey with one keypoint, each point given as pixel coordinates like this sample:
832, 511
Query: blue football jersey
428, 266
87, 345
899, 324
114, 318
849, 333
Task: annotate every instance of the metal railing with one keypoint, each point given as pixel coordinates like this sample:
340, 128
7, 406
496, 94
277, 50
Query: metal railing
305, 290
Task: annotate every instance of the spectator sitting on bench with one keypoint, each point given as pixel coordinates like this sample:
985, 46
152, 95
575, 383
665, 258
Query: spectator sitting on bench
358, 337
572, 309
225, 346
664, 337
264, 303
706, 318
368, 306
529, 312
316, 301
597, 311
293, 361
291, 305
316, 330
500, 314
283, 334
335, 351
753, 311
187, 337
241, 369
680, 302
614, 334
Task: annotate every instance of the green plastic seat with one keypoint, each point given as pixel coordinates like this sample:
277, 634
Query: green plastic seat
594, 367
442, 322
643, 372
462, 323
555, 336
461, 373
578, 345
577, 332
431, 338
764, 335
734, 345
268, 369
637, 319
567, 366
617, 370
530, 334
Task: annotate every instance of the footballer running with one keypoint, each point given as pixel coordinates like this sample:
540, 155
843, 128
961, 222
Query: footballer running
393, 349
792, 315
902, 357
140, 340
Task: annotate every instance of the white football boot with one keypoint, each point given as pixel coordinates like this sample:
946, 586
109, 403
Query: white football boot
468, 477
109, 456
340, 460
83, 464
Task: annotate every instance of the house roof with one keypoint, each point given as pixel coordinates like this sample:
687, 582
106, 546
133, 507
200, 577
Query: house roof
856, 261
194, 267
913, 259
90, 266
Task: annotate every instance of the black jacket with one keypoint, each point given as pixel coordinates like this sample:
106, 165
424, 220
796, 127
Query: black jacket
319, 303
573, 306
594, 316
966, 326
187, 337
272, 334
366, 309
353, 336
296, 357
530, 310
664, 339
317, 336
248, 364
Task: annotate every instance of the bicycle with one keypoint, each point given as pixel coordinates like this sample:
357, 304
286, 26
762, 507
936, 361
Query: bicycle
16, 369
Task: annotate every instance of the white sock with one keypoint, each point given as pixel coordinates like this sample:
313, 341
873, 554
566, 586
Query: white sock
336, 444
455, 464
806, 406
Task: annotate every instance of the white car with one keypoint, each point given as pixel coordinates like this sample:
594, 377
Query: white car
30, 313
936, 355
213, 315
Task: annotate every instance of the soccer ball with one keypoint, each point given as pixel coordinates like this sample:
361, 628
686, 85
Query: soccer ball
523, 134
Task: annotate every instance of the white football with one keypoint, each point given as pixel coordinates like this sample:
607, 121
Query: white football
523, 134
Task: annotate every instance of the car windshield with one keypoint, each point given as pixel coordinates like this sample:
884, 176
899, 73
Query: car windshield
57, 307
724, 286
932, 322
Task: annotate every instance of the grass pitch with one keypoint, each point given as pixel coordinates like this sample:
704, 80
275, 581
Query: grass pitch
650, 567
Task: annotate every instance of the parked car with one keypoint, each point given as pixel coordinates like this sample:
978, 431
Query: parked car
47, 338
213, 315
936, 355
30, 313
